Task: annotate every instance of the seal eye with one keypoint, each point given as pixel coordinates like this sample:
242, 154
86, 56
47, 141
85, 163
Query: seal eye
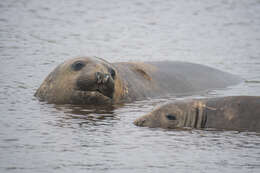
171, 117
112, 73
78, 65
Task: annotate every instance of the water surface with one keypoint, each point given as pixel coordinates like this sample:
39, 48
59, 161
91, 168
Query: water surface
35, 36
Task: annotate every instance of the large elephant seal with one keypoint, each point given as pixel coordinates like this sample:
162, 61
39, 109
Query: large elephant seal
231, 113
92, 80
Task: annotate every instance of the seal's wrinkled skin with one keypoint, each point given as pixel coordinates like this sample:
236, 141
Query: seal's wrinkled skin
231, 113
92, 80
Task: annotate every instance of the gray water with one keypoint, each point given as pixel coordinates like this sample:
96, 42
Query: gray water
35, 36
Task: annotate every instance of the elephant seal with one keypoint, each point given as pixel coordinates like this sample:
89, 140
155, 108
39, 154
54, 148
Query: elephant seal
230, 113
92, 80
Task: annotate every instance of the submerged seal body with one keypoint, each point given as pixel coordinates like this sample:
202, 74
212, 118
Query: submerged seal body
92, 80
230, 113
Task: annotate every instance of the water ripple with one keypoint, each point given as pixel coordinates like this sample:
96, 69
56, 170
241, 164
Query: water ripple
38, 35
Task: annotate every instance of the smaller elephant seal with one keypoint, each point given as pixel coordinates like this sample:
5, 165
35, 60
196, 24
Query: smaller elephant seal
240, 113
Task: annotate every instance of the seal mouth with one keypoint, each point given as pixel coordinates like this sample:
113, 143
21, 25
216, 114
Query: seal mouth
90, 97
97, 91
94, 92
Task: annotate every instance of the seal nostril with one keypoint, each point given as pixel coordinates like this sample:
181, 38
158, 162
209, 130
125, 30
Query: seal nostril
98, 77
106, 78
102, 78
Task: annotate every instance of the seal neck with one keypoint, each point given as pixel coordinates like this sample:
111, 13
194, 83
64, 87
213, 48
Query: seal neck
201, 116
196, 117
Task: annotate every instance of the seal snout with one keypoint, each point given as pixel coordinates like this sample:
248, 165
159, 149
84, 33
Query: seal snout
97, 81
139, 122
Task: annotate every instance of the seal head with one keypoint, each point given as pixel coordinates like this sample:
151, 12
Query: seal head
175, 115
83, 80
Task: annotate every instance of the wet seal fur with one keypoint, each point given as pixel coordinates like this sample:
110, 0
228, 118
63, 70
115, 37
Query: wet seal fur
92, 80
240, 113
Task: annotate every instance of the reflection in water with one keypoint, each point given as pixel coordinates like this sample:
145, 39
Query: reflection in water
86, 109
86, 115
